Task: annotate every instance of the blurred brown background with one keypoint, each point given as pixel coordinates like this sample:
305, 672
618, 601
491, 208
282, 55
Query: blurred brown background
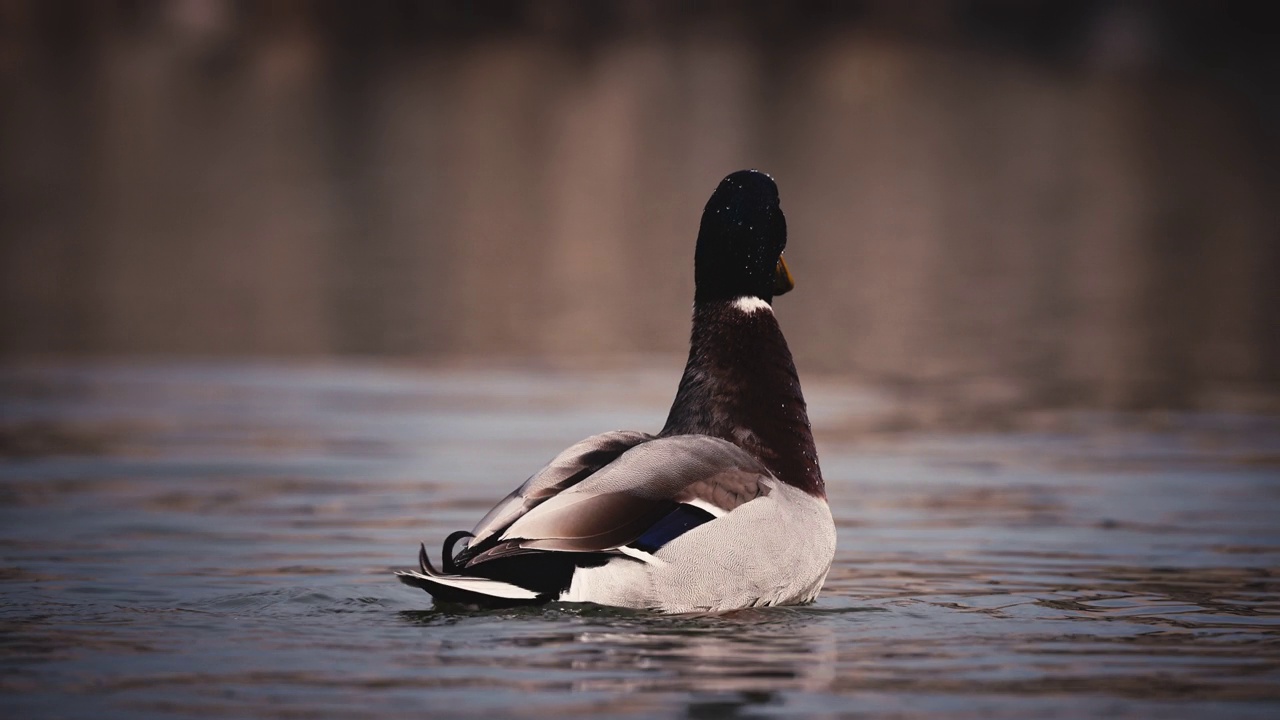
1027, 203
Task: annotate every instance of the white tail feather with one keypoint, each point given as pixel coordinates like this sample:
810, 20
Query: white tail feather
484, 586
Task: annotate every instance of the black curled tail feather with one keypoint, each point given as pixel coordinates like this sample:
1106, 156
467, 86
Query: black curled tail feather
447, 557
543, 575
451, 586
424, 562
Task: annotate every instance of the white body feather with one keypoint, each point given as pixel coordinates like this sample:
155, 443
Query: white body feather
774, 550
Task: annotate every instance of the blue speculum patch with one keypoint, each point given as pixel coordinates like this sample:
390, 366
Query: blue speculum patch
676, 523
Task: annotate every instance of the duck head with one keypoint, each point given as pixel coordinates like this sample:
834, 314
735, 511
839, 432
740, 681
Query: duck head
740, 241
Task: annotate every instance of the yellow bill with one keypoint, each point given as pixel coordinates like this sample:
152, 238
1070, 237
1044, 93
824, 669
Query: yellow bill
782, 281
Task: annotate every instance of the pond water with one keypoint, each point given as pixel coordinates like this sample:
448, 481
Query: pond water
186, 540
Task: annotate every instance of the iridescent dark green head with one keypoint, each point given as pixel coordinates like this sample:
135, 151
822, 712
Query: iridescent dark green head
740, 241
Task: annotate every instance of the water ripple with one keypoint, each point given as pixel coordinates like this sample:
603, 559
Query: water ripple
219, 543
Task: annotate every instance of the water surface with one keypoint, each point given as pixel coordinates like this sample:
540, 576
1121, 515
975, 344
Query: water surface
186, 540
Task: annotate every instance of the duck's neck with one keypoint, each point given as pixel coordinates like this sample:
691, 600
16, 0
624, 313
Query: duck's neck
740, 384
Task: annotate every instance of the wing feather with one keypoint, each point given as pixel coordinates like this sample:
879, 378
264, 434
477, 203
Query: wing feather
564, 471
585, 522
616, 504
725, 490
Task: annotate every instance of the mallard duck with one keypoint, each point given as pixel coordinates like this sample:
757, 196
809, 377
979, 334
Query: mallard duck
723, 509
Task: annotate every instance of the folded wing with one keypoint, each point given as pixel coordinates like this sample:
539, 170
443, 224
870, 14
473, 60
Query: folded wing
567, 469
609, 496
624, 500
